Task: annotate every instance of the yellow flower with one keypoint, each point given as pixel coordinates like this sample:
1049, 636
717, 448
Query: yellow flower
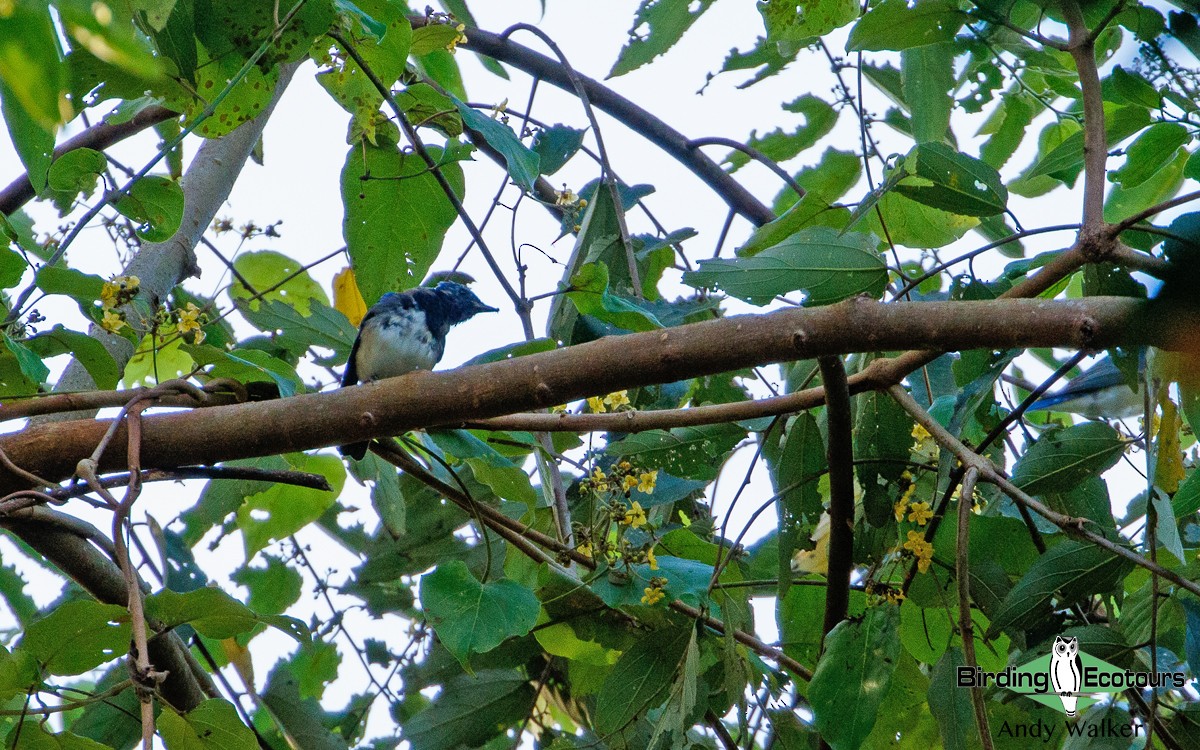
119, 291
585, 549
628, 482
651, 559
647, 481
921, 549
113, 321
566, 198
920, 513
894, 596
618, 399
925, 558
652, 595
635, 516
459, 38
596, 404
920, 434
189, 320
915, 540
599, 480
900, 508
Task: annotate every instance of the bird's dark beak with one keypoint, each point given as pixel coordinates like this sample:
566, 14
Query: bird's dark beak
485, 308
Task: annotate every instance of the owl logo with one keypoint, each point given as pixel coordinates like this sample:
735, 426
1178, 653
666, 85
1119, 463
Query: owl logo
1066, 672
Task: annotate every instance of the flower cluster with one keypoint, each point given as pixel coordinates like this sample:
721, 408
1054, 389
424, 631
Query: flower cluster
924, 449
910, 487
884, 592
190, 320
618, 514
655, 592
920, 549
459, 38
116, 293
618, 401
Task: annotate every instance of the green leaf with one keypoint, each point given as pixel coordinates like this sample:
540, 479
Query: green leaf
33, 141
212, 725
84, 288
1067, 572
665, 23
780, 145
88, 350
282, 510
425, 105
1063, 458
939, 176
640, 679
471, 710
155, 204
916, 225
951, 704
215, 614
689, 452
790, 24
77, 171
927, 73
895, 25
882, 439
590, 294
797, 461
1151, 150
396, 216
154, 362
853, 676
827, 180
522, 163
287, 279
687, 580
555, 146
1006, 126
825, 265
30, 363
472, 617
78, 636
32, 75
299, 717
1135, 89
505, 478
1066, 157
273, 588
1163, 184
432, 37
385, 53
246, 98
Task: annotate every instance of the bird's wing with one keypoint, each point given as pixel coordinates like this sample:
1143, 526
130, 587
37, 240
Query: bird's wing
350, 375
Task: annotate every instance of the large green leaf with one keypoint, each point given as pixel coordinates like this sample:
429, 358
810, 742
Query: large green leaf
927, 73
470, 710
472, 617
853, 676
1062, 458
797, 461
90, 353
155, 204
1156, 146
31, 72
215, 614
780, 145
522, 162
791, 24
396, 216
78, 636
690, 452
939, 176
1067, 572
282, 509
825, 265
287, 279
665, 23
897, 25
590, 294
950, 704
213, 725
640, 678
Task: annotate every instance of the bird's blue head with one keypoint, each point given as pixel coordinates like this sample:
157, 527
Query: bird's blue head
462, 304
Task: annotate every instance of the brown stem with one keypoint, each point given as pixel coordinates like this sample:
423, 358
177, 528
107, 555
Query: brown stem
841, 491
1082, 47
966, 626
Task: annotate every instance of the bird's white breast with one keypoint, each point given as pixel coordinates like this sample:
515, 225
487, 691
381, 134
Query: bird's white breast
398, 345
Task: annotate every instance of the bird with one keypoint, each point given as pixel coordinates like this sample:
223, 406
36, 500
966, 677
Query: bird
1066, 672
406, 331
1102, 392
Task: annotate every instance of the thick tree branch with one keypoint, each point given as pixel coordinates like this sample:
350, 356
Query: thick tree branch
392, 406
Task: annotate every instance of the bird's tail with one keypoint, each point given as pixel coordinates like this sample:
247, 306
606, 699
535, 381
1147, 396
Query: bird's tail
354, 450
